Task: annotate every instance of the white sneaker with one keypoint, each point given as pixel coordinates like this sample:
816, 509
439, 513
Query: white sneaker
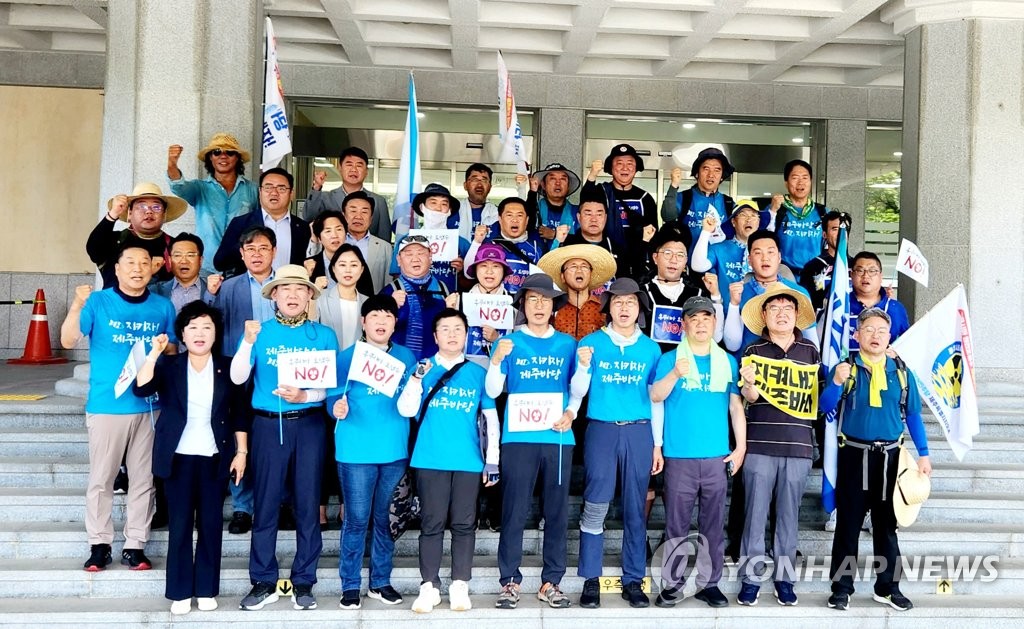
206, 604
866, 526
830, 523
182, 607
428, 599
458, 596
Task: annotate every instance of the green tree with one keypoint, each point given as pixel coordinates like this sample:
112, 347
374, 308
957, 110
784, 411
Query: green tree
882, 202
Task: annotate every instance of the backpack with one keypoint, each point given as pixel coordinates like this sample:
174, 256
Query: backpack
851, 384
396, 284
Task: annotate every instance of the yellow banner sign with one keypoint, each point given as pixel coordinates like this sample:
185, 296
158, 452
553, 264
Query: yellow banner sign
787, 386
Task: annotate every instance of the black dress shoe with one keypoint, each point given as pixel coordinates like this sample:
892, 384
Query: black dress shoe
668, 598
634, 593
241, 523
591, 596
712, 596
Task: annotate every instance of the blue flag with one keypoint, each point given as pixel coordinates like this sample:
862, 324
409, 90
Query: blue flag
408, 170
835, 347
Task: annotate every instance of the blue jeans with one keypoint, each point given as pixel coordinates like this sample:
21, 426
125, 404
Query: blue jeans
367, 489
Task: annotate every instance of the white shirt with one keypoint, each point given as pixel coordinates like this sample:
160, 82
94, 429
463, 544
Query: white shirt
197, 438
282, 229
350, 315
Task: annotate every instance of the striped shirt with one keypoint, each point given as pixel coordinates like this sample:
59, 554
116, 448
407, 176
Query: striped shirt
773, 432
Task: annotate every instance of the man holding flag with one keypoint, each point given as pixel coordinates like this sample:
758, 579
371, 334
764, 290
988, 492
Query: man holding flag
875, 395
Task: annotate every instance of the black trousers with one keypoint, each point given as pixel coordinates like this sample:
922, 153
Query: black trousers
329, 484
852, 502
521, 463
195, 496
447, 497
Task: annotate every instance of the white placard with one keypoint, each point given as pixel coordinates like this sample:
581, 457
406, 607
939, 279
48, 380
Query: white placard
912, 263
493, 310
131, 367
530, 412
376, 369
444, 243
308, 370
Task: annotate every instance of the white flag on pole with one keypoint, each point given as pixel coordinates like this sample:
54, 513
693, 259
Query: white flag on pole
912, 263
277, 141
408, 169
938, 350
511, 134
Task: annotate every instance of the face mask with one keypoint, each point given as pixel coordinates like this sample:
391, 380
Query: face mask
433, 219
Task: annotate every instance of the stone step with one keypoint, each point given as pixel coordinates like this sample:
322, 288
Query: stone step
72, 472
62, 504
65, 577
930, 610
75, 386
42, 540
53, 412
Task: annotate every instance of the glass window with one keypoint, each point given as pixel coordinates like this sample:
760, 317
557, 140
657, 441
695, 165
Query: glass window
883, 148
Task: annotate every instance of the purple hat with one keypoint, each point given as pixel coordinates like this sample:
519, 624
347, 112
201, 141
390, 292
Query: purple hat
490, 252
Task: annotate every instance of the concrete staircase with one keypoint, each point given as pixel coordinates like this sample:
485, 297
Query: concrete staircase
976, 510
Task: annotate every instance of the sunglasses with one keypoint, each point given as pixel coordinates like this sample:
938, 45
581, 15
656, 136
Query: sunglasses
219, 152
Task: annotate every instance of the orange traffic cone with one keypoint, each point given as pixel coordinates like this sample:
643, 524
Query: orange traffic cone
37, 345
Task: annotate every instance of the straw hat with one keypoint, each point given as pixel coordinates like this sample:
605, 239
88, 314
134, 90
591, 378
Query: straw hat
753, 315
912, 489
175, 206
224, 142
290, 274
602, 263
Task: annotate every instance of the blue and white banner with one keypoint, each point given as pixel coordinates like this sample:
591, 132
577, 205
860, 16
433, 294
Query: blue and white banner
409, 178
835, 347
277, 141
511, 134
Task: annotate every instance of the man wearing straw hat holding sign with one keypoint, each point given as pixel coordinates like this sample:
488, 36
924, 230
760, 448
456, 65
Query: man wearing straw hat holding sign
876, 395
287, 431
781, 376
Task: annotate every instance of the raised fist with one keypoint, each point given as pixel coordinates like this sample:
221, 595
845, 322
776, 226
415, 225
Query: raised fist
319, 177
501, 350
584, 353
173, 154
596, 167
776, 202
842, 373
735, 293
159, 345
252, 330
82, 294
561, 233
682, 368
213, 283
399, 296
677, 177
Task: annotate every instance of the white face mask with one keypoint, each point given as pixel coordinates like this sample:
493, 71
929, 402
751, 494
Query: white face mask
433, 219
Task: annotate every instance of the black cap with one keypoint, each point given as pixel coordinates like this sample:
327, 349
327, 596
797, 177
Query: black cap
435, 190
696, 304
712, 153
623, 150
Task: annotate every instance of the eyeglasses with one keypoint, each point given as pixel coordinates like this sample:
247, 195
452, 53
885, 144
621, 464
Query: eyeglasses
219, 152
419, 239
873, 331
254, 250
269, 188
578, 267
868, 272
673, 255
191, 255
155, 208
537, 300
777, 308
626, 302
